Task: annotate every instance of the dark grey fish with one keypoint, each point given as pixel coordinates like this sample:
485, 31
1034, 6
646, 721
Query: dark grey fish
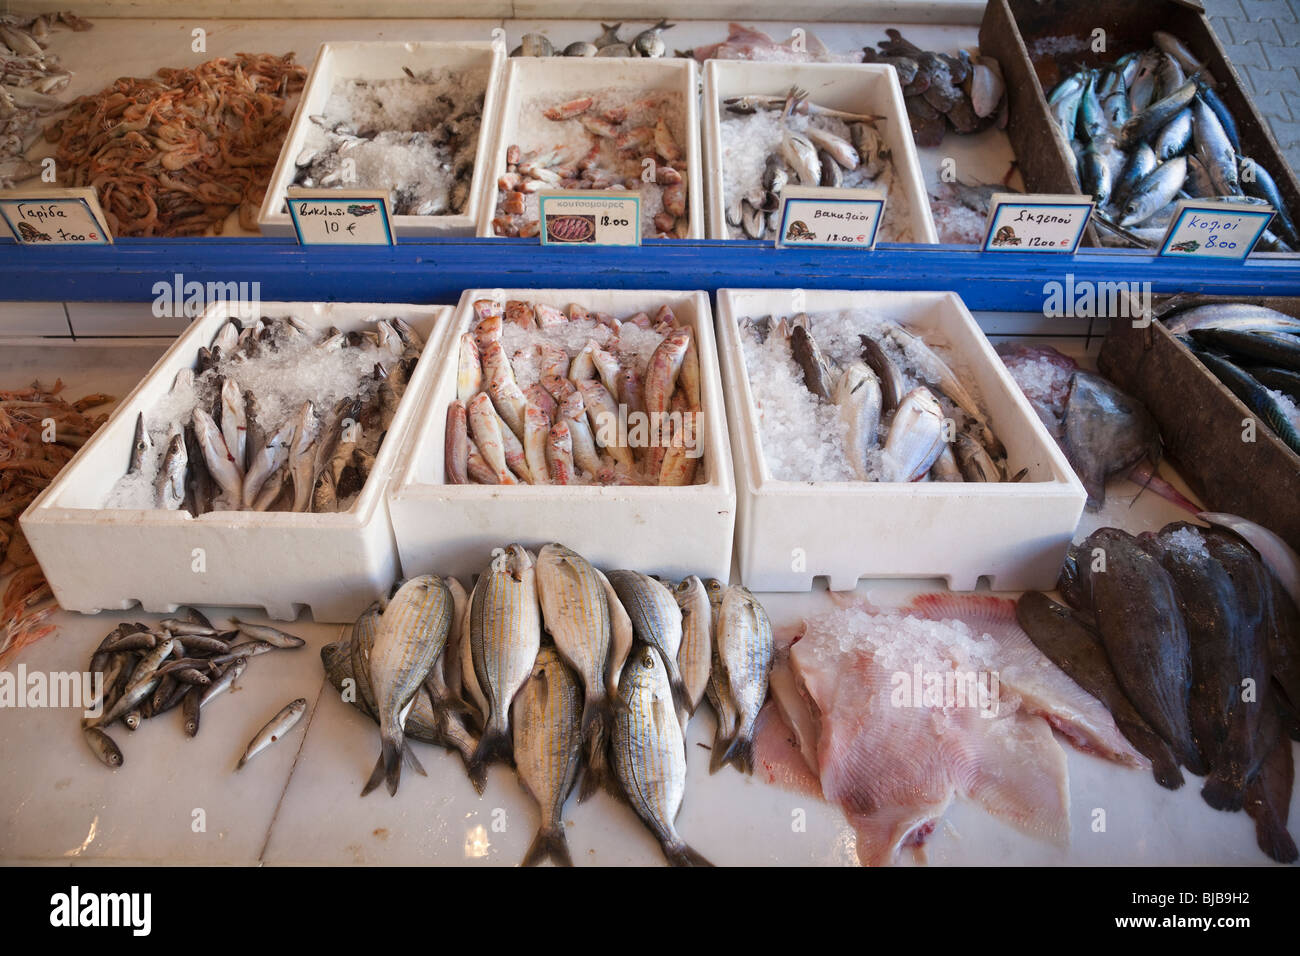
1254, 395
102, 746
1225, 604
1105, 432
819, 373
1268, 798
1075, 648
1138, 614
1278, 349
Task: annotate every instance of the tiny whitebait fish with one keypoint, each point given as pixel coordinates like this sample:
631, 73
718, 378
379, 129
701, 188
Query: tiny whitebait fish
277, 727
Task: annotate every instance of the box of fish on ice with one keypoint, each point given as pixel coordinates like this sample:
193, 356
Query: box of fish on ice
1158, 113
578, 123
850, 130
413, 118
280, 431
535, 429
877, 434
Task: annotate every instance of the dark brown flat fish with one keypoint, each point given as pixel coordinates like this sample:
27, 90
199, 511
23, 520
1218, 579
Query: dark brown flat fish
1105, 432
1284, 653
1226, 606
1137, 613
1073, 647
1268, 798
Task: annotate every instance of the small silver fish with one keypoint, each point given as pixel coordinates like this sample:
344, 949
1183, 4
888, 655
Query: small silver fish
547, 724
170, 483
651, 42
656, 620
650, 753
276, 727
141, 446
695, 656
745, 649
267, 634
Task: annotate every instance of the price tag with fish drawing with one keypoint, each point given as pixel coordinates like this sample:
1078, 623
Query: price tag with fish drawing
1019, 223
55, 217
825, 216
1215, 230
347, 217
590, 218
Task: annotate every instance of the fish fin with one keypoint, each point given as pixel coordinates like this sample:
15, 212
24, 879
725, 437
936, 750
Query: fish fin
239, 766
740, 753
1274, 839
1223, 793
721, 747
679, 854
494, 746
408, 755
477, 774
597, 775
681, 696
388, 768
549, 844
1193, 761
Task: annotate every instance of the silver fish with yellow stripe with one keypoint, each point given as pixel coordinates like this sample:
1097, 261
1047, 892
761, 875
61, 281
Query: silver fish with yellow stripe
412, 633
649, 752
505, 633
745, 649
695, 656
547, 721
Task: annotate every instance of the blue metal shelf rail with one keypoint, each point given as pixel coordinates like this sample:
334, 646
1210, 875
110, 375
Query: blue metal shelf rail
437, 271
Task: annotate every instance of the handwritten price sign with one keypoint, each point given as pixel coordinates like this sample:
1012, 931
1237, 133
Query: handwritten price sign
1019, 223
55, 217
1215, 230
572, 217
346, 217
817, 216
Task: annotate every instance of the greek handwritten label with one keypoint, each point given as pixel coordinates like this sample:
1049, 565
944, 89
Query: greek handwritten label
1019, 223
346, 217
824, 216
590, 218
1215, 230
55, 217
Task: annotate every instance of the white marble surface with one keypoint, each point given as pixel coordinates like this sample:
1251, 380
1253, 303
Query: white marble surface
300, 803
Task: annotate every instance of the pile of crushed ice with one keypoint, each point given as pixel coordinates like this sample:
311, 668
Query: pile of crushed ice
1289, 408
802, 437
747, 142
281, 377
417, 136
897, 641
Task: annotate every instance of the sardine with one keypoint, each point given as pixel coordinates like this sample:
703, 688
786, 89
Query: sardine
504, 638
277, 727
412, 633
650, 753
232, 673
548, 749
267, 634
1146, 123
1214, 149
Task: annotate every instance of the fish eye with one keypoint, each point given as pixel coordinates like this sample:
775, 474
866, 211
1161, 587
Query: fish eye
647, 662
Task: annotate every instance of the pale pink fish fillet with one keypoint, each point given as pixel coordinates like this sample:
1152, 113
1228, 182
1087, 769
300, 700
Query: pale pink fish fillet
789, 699
895, 770
1044, 688
776, 755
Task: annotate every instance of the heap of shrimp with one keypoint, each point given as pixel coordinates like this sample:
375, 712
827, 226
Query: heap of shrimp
175, 154
39, 433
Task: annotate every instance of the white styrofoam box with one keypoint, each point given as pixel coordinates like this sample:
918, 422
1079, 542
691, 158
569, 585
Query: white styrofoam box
33, 318
452, 529
562, 77
333, 564
869, 88
384, 61
1015, 533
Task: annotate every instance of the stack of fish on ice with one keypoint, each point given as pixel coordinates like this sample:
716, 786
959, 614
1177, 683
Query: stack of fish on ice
605, 139
1191, 637
851, 396
771, 141
549, 397
566, 671
30, 75
1148, 130
417, 136
275, 416
1255, 352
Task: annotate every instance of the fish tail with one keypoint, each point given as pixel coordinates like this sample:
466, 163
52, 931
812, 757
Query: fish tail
681, 697
1191, 759
597, 775
388, 768
408, 755
741, 753
1224, 793
721, 747
596, 711
680, 854
1273, 839
549, 844
493, 747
